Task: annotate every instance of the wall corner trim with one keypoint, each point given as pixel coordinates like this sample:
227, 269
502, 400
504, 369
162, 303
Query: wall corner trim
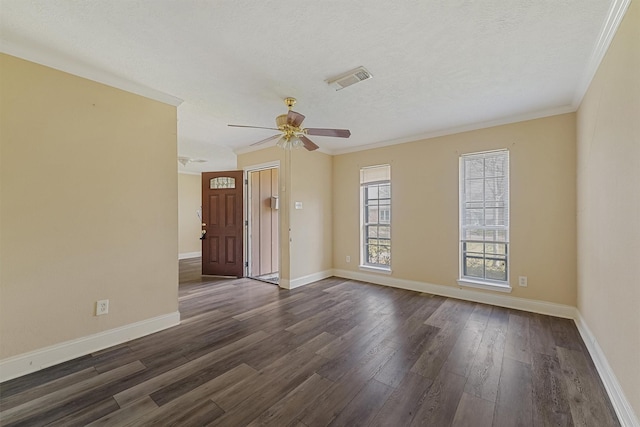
36, 360
621, 405
607, 33
305, 280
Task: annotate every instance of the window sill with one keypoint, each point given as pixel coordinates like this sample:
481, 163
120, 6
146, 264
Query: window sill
485, 285
375, 269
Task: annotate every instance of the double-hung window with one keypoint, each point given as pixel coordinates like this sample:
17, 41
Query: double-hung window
375, 214
484, 219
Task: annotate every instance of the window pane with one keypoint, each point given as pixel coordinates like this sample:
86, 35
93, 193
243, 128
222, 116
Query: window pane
474, 247
384, 232
372, 192
496, 235
372, 215
222, 182
474, 267
495, 248
474, 217
385, 191
473, 234
384, 255
372, 231
495, 216
474, 191
496, 269
474, 168
495, 189
495, 166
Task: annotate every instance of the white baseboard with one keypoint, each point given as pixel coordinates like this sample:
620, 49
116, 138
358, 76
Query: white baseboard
187, 255
305, 280
502, 300
36, 360
619, 401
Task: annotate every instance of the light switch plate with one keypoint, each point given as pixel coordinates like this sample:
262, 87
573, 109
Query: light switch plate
298, 205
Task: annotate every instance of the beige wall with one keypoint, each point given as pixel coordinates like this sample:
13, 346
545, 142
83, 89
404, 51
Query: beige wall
609, 206
88, 207
189, 201
311, 226
424, 182
309, 178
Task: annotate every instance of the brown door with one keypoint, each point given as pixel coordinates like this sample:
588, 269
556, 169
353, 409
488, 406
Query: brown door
222, 221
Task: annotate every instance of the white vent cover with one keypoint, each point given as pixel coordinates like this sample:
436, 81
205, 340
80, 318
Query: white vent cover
350, 78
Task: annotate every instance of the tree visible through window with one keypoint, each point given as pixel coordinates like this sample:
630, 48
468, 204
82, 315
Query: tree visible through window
484, 216
376, 216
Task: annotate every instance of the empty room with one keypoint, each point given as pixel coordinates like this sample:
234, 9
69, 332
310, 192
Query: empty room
319, 213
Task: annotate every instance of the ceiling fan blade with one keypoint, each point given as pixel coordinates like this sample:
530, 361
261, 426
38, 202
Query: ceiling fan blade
339, 133
271, 138
253, 127
308, 144
294, 119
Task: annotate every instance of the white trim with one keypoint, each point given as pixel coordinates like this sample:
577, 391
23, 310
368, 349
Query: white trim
305, 280
373, 269
261, 166
607, 33
534, 306
460, 129
58, 62
187, 255
621, 405
485, 285
36, 360
183, 172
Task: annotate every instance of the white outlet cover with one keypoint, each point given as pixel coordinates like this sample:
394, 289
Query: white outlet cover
102, 307
522, 281
298, 205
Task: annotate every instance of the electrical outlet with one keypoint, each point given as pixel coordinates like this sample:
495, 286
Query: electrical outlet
522, 281
348, 258
102, 307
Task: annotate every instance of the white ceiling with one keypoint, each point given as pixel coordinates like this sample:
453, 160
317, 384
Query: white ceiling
438, 66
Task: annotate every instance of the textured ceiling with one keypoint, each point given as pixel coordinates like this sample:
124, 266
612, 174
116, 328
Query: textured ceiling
438, 66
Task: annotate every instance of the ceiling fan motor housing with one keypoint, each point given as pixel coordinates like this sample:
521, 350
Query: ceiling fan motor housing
281, 121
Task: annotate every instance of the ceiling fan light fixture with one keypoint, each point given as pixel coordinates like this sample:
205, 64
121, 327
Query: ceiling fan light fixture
184, 161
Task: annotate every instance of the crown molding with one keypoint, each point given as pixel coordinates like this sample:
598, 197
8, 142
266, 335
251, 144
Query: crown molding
465, 128
609, 28
60, 63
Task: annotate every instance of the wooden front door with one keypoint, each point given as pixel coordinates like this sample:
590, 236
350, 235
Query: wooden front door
222, 220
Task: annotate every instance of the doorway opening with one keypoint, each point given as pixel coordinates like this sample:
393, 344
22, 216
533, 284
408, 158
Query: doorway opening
263, 206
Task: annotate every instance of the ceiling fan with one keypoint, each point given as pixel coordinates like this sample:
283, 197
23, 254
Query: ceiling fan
292, 134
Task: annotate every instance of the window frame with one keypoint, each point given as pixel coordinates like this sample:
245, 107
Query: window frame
463, 252
365, 225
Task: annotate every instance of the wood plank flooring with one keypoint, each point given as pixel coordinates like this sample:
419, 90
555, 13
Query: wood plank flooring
336, 352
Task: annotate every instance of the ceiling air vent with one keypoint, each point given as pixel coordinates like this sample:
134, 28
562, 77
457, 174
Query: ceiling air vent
350, 78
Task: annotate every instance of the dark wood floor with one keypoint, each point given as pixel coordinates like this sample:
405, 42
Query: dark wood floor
336, 352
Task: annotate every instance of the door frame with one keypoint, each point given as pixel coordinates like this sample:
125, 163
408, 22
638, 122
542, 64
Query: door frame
247, 213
